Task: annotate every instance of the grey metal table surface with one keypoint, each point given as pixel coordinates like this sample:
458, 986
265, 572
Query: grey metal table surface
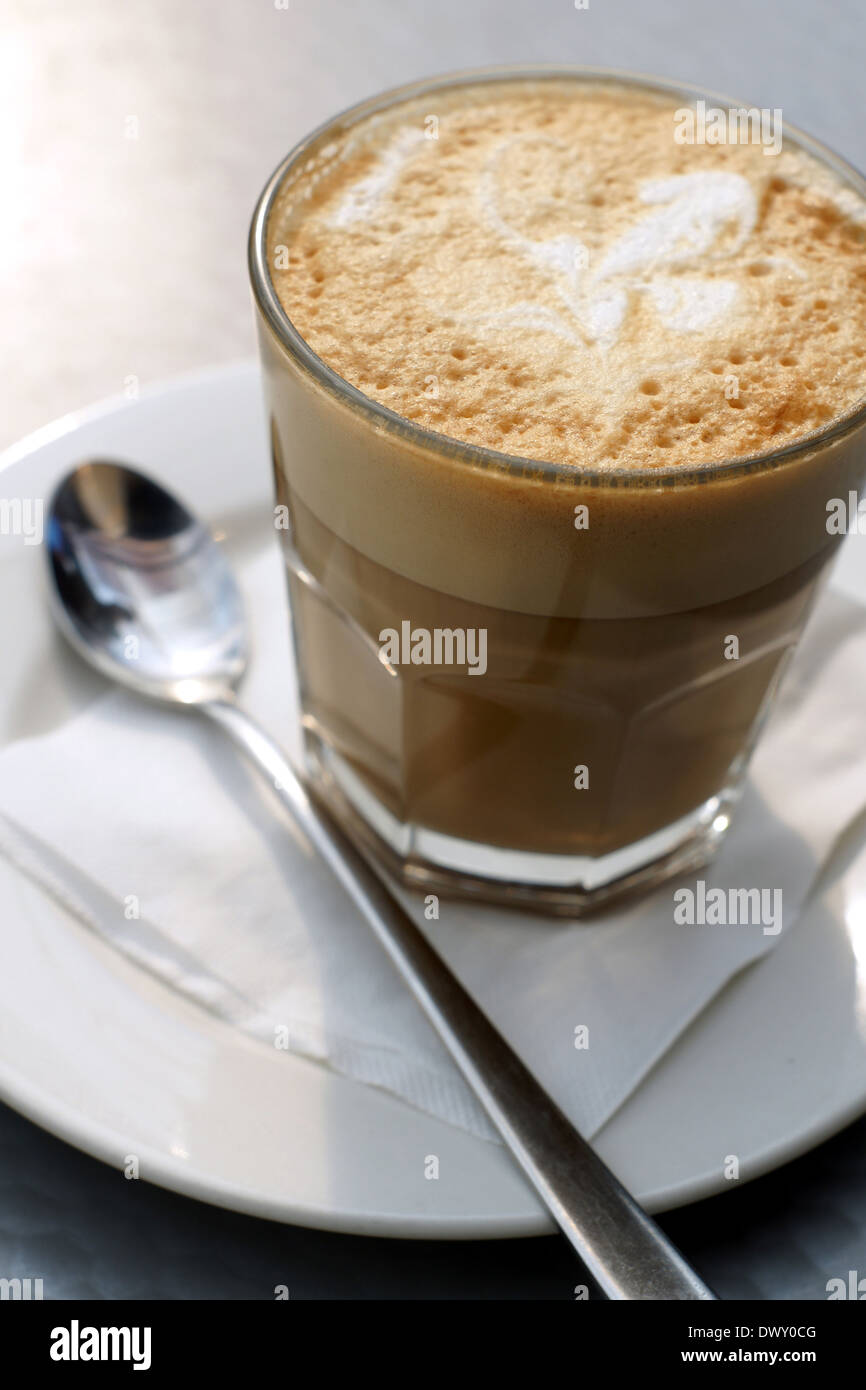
135, 140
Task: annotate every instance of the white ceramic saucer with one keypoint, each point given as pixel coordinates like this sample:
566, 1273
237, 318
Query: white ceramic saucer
104, 1056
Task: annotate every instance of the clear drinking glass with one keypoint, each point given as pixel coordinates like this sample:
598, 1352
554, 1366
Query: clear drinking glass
604, 744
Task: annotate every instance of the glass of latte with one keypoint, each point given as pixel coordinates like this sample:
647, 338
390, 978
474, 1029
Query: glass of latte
565, 374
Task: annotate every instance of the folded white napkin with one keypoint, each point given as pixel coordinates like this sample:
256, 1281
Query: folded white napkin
146, 824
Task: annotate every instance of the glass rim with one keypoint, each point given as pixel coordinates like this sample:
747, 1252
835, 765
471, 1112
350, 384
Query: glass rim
478, 455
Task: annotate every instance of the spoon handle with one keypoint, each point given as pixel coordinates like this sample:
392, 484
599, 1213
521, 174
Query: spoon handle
623, 1249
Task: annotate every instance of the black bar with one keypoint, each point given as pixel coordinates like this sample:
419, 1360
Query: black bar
229, 1338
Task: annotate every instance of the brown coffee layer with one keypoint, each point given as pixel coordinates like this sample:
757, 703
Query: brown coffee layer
652, 708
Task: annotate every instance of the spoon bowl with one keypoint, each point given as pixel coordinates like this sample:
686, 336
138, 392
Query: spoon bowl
140, 587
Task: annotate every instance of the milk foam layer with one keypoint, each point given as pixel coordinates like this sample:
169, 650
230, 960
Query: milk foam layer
555, 277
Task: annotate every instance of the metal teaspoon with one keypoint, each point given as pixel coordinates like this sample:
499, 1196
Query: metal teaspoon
143, 593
